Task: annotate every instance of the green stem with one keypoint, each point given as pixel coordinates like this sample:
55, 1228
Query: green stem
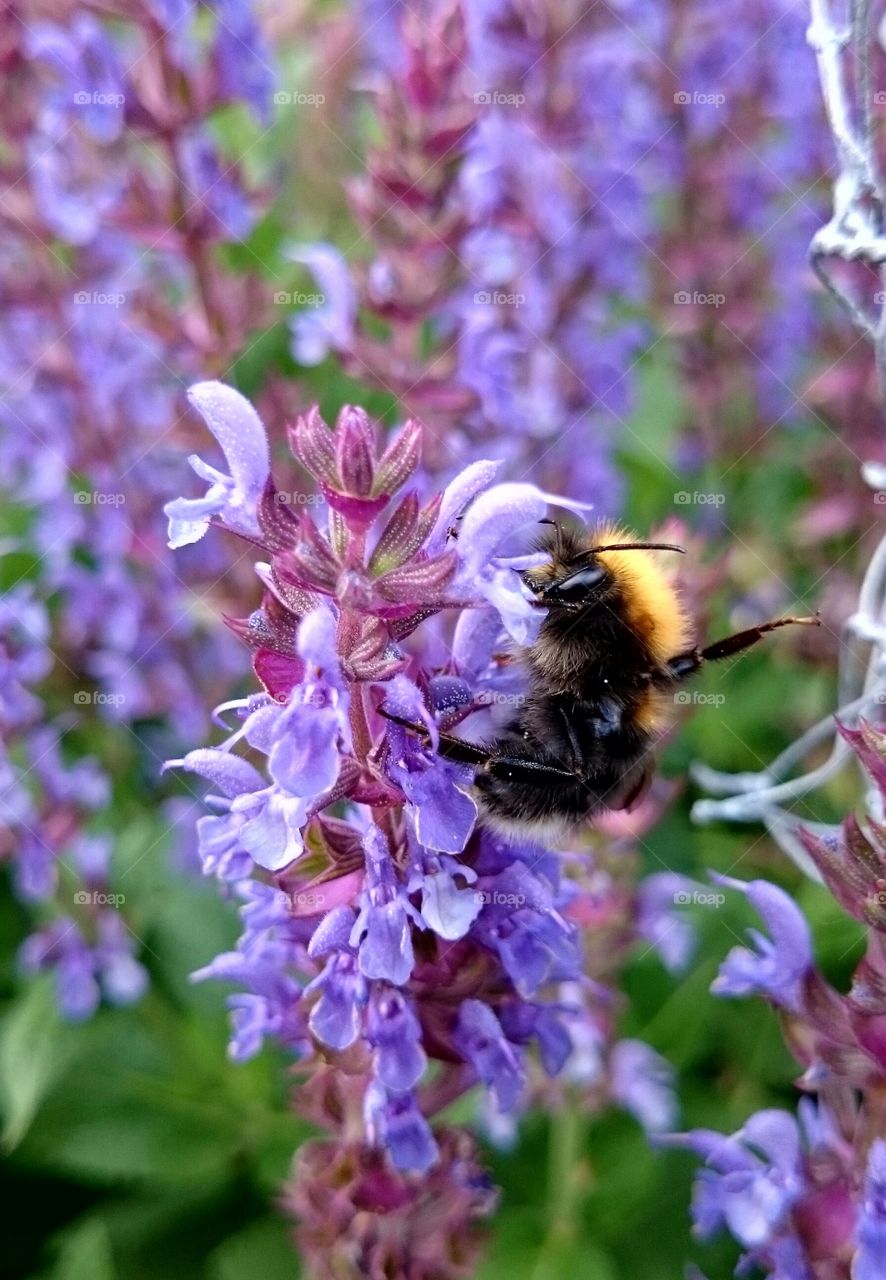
568, 1183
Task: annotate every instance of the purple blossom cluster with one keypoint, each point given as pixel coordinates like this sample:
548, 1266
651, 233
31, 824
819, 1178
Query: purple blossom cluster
116, 200
806, 1197
748, 150
515, 209
385, 928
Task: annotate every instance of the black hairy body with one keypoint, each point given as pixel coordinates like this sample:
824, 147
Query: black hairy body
601, 680
597, 700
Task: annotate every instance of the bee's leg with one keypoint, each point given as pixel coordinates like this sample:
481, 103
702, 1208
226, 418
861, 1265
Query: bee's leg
498, 764
686, 664
510, 768
449, 747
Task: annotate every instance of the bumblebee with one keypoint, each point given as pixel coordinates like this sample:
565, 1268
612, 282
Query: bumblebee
612, 652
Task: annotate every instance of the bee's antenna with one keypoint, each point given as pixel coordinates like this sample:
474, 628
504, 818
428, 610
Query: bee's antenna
557, 526
640, 546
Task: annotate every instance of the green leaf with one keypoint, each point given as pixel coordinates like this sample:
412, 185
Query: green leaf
85, 1254
33, 1053
263, 1249
515, 1250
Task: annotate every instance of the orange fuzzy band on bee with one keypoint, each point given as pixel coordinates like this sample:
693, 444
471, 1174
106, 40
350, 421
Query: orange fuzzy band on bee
653, 609
646, 595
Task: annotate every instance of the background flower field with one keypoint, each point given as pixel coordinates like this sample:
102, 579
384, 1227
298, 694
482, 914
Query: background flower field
573, 240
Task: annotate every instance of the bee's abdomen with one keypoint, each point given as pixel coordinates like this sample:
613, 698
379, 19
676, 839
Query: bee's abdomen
560, 761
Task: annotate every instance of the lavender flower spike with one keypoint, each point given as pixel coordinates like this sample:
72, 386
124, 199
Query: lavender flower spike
233, 499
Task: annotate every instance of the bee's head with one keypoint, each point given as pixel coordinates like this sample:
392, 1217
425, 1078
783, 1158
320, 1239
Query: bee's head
579, 576
571, 587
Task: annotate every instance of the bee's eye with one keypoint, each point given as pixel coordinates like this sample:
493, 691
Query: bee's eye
579, 586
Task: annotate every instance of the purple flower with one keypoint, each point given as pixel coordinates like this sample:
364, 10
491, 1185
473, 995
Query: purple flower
480, 1039
660, 923
751, 1181
643, 1082
234, 498
83, 972
73, 192
868, 1261
90, 85
778, 966
447, 907
393, 1030
216, 200
243, 61
304, 757
443, 811
400, 1127
328, 327
336, 1017
381, 932
491, 520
